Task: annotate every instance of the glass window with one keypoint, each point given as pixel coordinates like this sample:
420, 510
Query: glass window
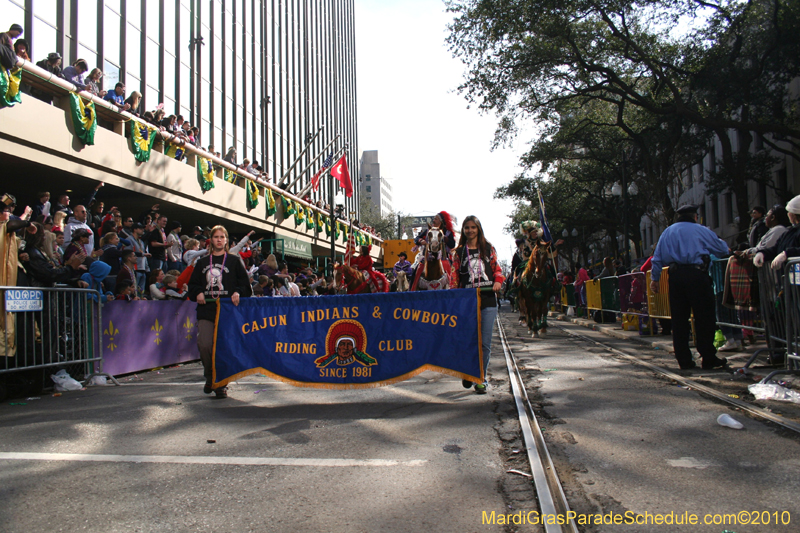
153, 66
134, 15
133, 51
111, 36
110, 75
228, 66
87, 23
150, 97
240, 125
217, 108
169, 76
184, 28
170, 26
170, 106
206, 103
113, 4
45, 40
229, 111
205, 133
228, 144
205, 51
45, 9
205, 12
185, 89
132, 83
153, 20
88, 55
217, 140
217, 75
185, 111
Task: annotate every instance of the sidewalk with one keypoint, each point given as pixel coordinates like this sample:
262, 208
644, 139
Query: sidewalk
736, 359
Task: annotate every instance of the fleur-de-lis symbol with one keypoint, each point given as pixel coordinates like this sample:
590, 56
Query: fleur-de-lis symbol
111, 331
157, 328
189, 326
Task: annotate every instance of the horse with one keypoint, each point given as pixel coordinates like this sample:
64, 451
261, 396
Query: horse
402, 281
536, 286
356, 281
431, 274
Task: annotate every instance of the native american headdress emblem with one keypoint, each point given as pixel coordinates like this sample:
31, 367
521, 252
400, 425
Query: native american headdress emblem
345, 344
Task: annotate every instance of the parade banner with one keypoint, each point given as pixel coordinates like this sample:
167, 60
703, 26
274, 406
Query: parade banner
146, 334
251, 195
349, 341
175, 151
142, 139
270, 202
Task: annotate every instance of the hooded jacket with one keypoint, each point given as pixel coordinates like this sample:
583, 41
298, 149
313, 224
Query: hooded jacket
73, 224
97, 273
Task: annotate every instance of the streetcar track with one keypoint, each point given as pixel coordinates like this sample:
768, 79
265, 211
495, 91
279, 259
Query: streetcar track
744, 406
552, 500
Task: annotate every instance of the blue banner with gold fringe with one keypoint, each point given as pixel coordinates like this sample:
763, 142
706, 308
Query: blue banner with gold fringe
349, 341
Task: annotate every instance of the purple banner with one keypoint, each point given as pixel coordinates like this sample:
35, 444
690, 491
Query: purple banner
147, 334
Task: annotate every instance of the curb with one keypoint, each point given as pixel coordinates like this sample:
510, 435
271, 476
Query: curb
612, 331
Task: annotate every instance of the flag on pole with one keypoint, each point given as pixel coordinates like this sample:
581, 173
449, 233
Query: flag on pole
546, 237
84, 118
350, 250
325, 165
205, 173
340, 172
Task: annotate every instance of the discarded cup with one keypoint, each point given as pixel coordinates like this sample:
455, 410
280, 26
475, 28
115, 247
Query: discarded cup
729, 421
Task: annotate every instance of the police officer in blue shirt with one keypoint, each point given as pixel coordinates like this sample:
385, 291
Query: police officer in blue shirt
685, 247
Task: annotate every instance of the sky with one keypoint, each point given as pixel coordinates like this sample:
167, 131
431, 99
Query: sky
435, 151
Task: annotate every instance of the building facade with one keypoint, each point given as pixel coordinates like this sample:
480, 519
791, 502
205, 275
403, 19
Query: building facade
262, 76
373, 183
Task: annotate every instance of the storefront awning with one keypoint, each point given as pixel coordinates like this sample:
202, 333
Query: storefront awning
293, 247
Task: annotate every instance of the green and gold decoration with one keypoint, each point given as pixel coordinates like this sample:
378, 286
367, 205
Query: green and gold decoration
175, 151
251, 190
230, 176
205, 173
142, 138
270, 198
288, 207
84, 118
299, 214
9, 87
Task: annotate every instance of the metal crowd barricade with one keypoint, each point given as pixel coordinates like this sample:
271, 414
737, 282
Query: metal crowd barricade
658, 303
633, 293
594, 299
567, 296
51, 327
772, 311
787, 299
727, 317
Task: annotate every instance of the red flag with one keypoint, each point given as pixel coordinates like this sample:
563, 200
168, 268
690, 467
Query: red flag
340, 172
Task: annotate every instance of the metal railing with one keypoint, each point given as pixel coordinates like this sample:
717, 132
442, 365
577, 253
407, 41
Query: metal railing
782, 316
658, 303
51, 327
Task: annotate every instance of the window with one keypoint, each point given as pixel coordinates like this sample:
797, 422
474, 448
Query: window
110, 76
714, 221
369, 178
369, 189
87, 25
111, 36
44, 39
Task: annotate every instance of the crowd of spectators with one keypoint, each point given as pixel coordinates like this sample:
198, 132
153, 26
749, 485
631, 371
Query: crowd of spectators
11, 45
146, 256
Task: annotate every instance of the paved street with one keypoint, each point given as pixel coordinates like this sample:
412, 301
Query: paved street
422, 455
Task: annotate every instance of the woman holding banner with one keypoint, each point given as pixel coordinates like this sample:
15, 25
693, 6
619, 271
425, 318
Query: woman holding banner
215, 276
475, 265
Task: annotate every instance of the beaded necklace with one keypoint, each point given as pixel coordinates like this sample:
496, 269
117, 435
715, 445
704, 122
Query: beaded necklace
216, 274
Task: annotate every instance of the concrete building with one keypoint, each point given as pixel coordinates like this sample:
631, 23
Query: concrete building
273, 79
374, 184
719, 212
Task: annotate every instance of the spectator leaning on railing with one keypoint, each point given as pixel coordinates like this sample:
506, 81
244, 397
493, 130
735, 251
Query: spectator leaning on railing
117, 96
74, 73
789, 243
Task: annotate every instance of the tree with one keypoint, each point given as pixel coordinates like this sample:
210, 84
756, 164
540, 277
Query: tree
526, 60
371, 216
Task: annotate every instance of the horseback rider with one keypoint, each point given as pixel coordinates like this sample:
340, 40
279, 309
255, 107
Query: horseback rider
444, 222
363, 263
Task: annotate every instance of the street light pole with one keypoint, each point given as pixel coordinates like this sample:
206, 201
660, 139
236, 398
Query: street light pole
625, 213
333, 223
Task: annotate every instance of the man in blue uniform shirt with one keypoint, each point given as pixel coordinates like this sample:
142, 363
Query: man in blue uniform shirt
685, 248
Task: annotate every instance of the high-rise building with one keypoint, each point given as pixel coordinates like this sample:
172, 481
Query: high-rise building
374, 183
273, 79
